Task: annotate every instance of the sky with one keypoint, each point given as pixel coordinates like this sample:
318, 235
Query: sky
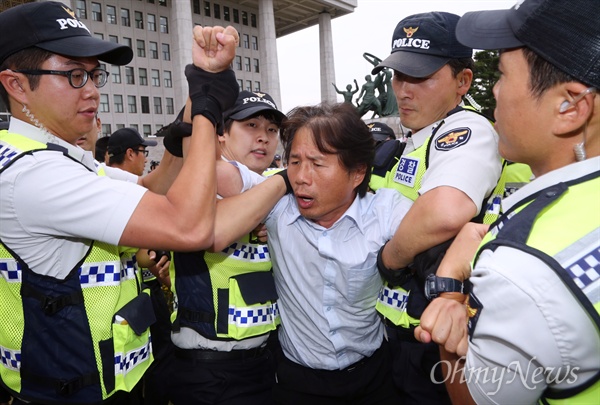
368, 29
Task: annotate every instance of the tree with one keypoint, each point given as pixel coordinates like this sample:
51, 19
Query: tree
485, 76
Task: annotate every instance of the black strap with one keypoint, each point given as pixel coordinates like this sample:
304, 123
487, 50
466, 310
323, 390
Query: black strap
51, 305
191, 316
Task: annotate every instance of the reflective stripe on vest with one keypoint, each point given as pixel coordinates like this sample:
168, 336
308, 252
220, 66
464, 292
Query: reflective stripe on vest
86, 341
574, 257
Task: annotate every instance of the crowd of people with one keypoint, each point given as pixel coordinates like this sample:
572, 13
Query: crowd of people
353, 268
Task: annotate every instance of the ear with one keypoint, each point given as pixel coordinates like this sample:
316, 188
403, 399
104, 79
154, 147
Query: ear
465, 78
13, 83
358, 175
573, 112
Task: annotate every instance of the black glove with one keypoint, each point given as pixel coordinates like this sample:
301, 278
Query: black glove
211, 93
394, 278
174, 133
288, 185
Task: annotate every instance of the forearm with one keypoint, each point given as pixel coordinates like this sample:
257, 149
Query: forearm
160, 179
453, 371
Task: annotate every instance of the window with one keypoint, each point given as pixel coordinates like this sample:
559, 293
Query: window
254, 42
155, 78
256, 66
139, 19
113, 38
119, 126
207, 8
118, 99
247, 65
127, 41
164, 25
217, 10
125, 20
129, 75
106, 130
134, 126
246, 40
241, 84
170, 106
99, 35
238, 62
115, 73
253, 20
104, 107
196, 6
226, 15
151, 22
162, 3
153, 49
145, 105
168, 79
131, 104
143, 77
81, 9
111, 14
158, 127
96, 12
249, 85
245, 17
141, 48
147, 129
236, 16
256, 86
157, 105
151, 1
166, 51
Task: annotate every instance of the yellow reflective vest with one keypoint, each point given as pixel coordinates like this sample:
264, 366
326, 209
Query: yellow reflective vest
77, 340
536, 226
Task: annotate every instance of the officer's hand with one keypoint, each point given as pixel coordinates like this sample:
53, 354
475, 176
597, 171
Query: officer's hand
259, 234
213, 48
445, 323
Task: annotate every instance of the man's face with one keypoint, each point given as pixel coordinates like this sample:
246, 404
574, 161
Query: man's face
520, 118
423, 101
66, 112
139, 160
252, 142
88, 141
324, 189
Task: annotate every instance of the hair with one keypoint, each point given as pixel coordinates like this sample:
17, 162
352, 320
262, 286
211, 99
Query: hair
117, 158
542, 74
29, 58
100, 148
459, 64
268, 115
336, 129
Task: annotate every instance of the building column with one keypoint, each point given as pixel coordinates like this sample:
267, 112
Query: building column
268, 50
181, 52
327, 62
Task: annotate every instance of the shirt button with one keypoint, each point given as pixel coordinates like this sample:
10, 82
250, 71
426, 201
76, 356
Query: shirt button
332, 332
328, 309
325, 233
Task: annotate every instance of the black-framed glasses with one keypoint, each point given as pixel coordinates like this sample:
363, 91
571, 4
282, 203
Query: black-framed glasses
144, 151
77, 77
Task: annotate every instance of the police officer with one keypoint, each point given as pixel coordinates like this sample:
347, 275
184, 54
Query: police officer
74, 323
533, 312
450, 168
226, 300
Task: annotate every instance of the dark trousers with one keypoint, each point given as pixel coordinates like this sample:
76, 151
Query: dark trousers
247, 381
119, 398
366, 382
413, 363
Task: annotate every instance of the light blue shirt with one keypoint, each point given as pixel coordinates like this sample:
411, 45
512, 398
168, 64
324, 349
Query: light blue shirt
327, 279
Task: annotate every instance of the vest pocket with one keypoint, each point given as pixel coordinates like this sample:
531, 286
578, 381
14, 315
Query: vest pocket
252, 309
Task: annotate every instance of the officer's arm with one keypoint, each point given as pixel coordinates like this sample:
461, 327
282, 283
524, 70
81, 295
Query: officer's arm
453, 366
435, 217
160, 179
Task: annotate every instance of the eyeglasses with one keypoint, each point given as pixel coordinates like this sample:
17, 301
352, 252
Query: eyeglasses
77, 77
144, 151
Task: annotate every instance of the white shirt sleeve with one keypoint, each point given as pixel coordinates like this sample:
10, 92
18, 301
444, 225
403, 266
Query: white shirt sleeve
530, 332
119, 174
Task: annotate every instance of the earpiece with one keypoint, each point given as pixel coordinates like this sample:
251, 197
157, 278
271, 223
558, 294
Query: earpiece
564, 106
462, 82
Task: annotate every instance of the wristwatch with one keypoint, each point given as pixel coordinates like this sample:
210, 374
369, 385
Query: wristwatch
435, 285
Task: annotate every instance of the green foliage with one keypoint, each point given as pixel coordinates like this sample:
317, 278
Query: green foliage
485, 76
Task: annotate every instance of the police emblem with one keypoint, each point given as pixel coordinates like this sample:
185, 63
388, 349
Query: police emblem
453, 139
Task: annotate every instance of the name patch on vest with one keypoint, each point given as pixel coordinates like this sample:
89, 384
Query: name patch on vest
474, 308
452, 139
406, 173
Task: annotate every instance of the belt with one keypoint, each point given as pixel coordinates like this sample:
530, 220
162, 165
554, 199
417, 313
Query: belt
400, 332
212, 355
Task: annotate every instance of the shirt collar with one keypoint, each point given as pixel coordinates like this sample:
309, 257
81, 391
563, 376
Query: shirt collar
569, 172
22, 128
419, 137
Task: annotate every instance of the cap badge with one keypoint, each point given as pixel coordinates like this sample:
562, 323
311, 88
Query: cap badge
410, 31
69, 11
261, 95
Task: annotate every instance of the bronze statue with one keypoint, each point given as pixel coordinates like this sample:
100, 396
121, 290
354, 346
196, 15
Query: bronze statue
369, 101
349, 93
385, 103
